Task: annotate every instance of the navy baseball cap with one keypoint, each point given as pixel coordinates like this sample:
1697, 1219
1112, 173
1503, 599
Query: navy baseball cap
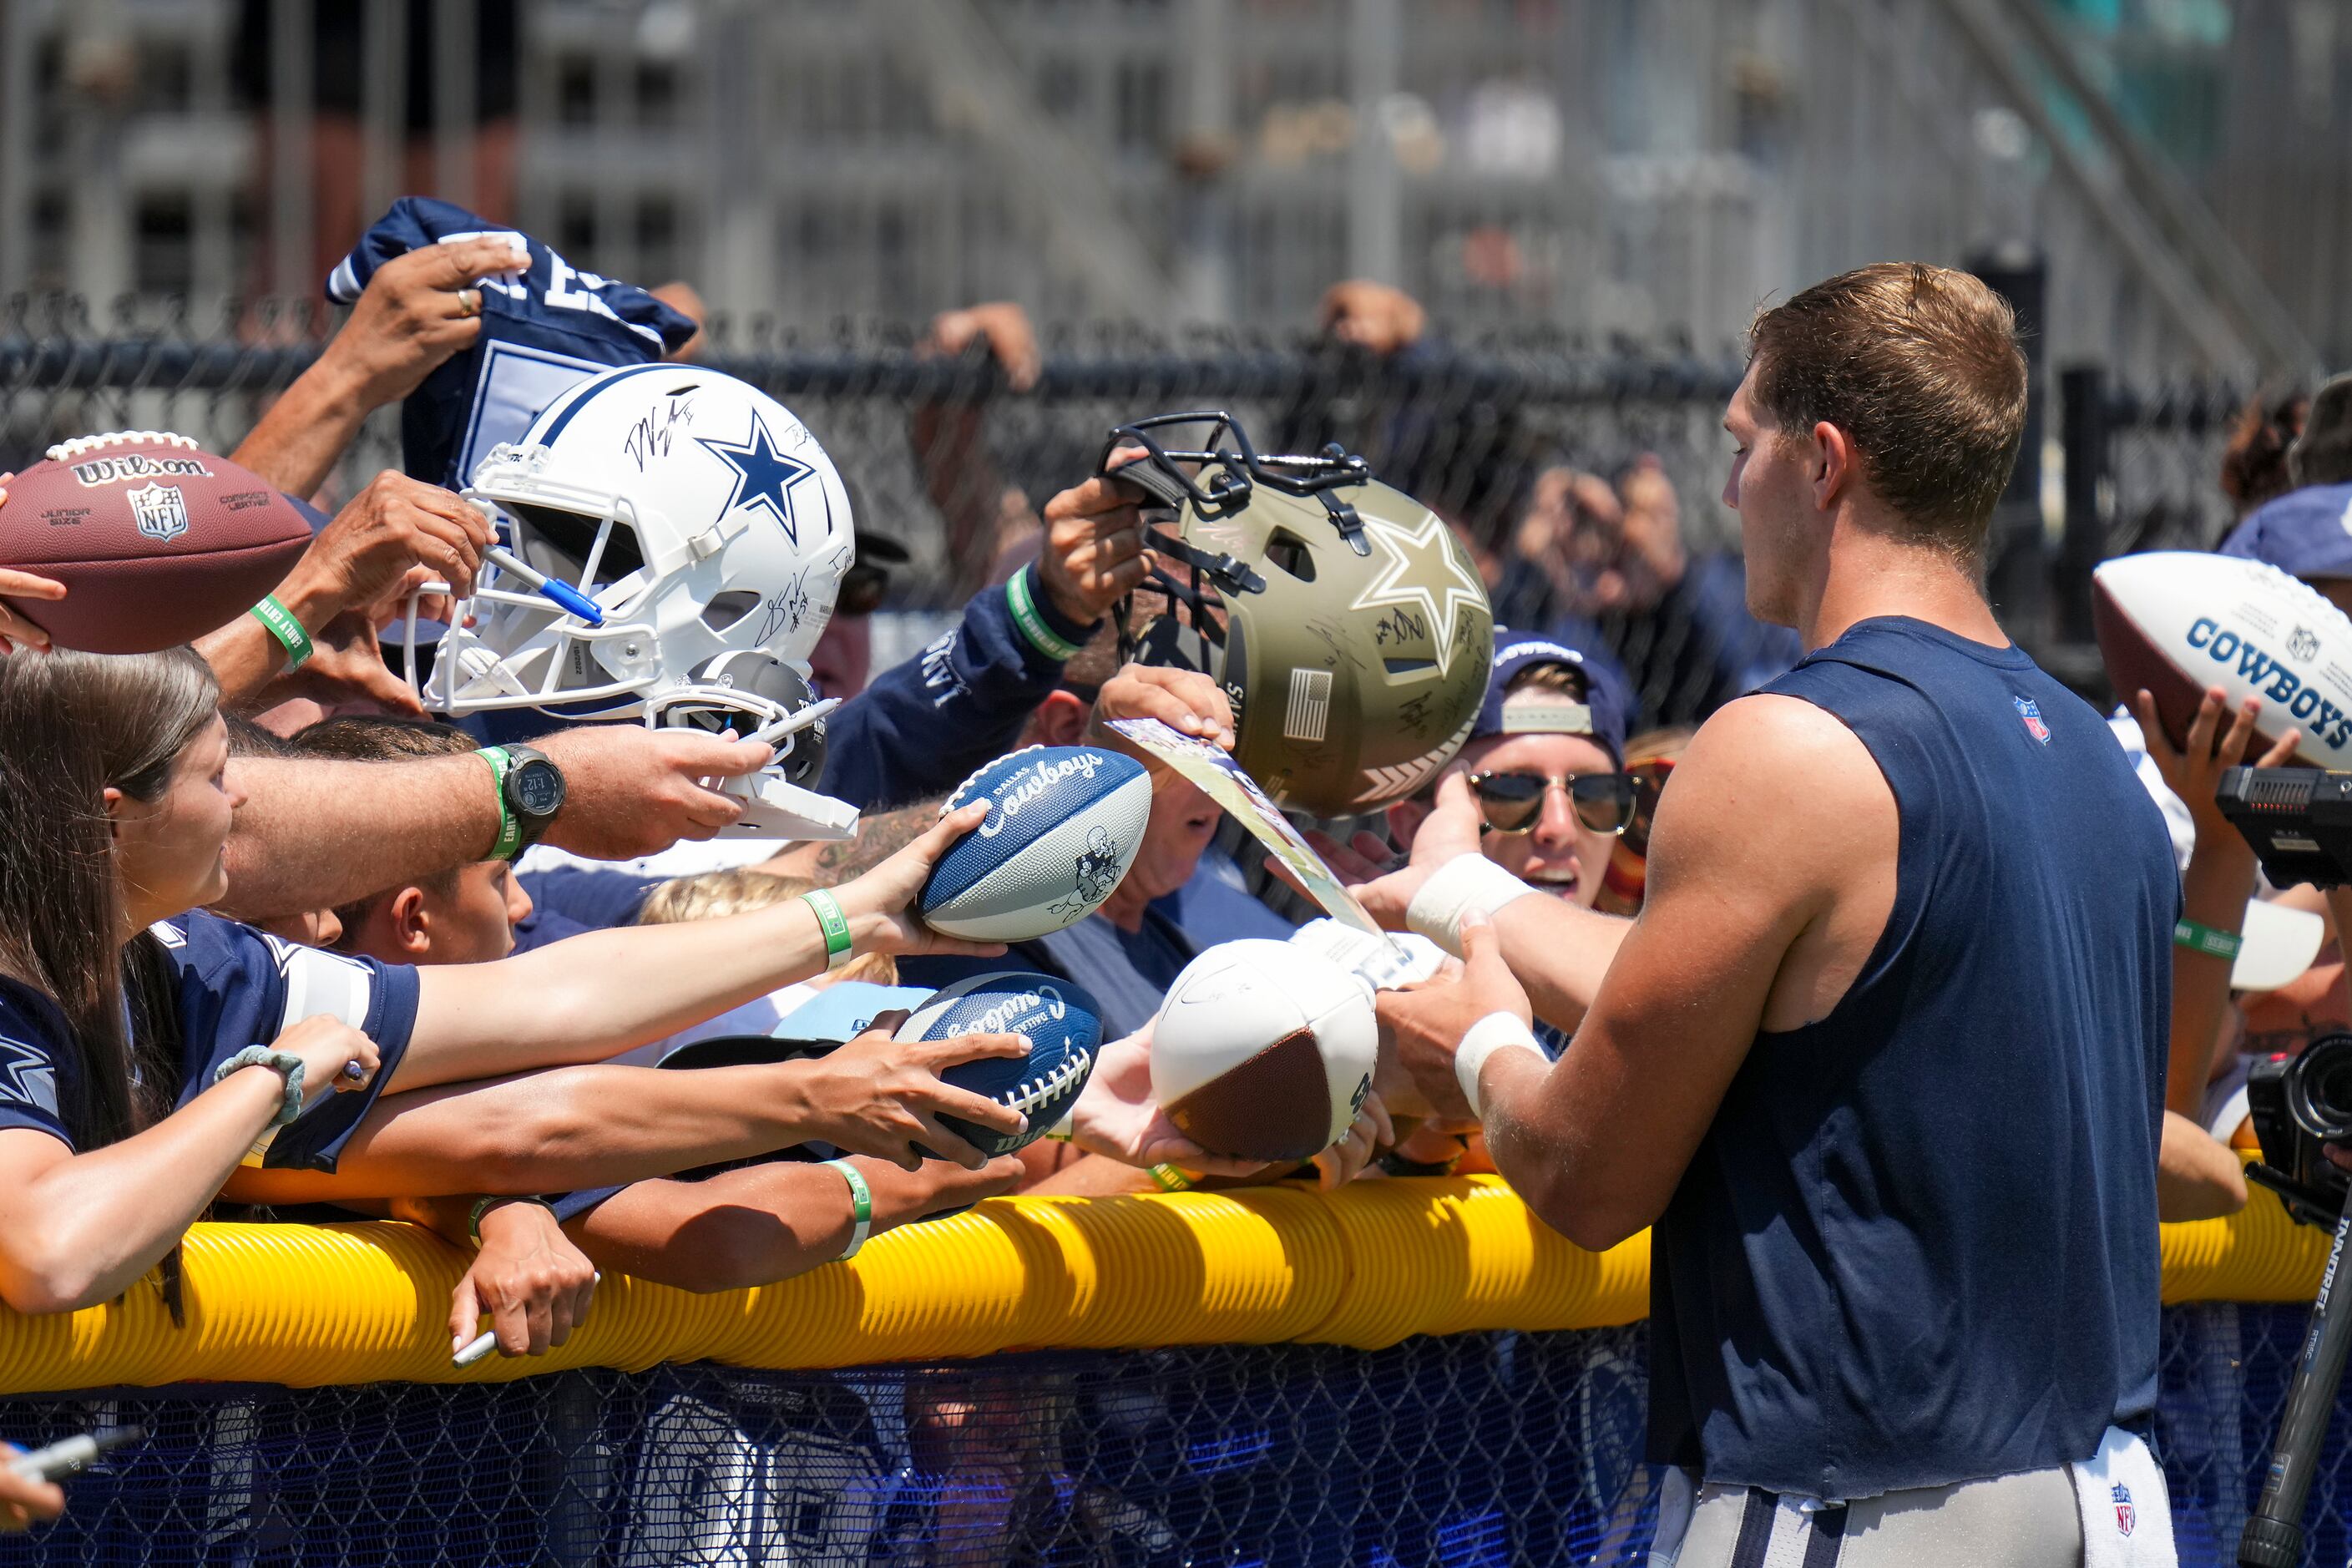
2304, 534
1601, 714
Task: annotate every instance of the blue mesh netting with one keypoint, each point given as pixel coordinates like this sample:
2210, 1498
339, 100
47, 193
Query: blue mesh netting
1476, 1451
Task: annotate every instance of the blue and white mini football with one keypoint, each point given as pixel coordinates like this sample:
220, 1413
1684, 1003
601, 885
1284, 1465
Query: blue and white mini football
1059, 1020
1063, 827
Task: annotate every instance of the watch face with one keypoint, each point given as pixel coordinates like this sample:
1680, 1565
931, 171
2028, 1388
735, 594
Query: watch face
539, 789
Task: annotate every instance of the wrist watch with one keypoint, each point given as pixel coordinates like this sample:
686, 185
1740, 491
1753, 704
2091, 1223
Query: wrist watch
531, 788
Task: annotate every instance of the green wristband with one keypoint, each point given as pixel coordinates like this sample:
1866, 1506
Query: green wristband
284, 628
832, 922
1168, 1179
510, 830
2204, 939
1040, 635
861, 1209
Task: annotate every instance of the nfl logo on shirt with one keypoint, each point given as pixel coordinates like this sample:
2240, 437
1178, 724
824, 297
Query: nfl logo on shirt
2030, 711
162, 511
2124, 1516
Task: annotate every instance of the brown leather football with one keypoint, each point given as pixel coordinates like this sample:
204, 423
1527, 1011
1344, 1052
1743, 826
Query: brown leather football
156, 540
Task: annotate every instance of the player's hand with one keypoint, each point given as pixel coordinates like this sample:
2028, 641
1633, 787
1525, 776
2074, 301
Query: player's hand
346, 667
327, 1047
880, 905
1372, 871
631, 791
1375, 316
24, 1500
883, 1098
1184, 700
533, 1282
417, 310
1093, 553
1117, 1115
1427, 1022
936, 1186
16, 631
1371, 1134
396, 524
1004, 326
2194, 772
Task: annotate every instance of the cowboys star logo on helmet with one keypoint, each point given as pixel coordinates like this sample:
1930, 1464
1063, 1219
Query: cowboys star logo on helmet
704, 528
1344, 620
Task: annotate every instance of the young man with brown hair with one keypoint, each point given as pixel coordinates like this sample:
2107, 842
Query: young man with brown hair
1882, 1058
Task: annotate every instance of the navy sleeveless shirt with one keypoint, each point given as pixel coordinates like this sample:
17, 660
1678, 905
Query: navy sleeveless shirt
1919, 1243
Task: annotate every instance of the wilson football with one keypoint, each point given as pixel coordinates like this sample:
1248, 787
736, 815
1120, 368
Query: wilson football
2175, 622
1264, 1050
1063, 827
156, 540
1059, 1020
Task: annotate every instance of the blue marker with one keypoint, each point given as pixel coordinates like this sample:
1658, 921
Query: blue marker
571, 598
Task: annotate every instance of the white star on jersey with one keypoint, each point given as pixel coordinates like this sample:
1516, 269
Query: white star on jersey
1432, 548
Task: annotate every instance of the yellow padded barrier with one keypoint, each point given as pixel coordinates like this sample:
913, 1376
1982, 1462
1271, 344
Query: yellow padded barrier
1367, 1267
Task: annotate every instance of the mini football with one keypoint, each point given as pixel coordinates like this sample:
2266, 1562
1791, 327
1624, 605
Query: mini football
1264, 1050
2175, 622
1063, 827
1059, 1020
157, 541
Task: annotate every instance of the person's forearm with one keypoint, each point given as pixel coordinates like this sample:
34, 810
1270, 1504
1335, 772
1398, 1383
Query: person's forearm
591, 996
246, 656
596, 1126
2197, 1176
738, 1229
317, 834
2214, 891
85, 1229
307, 430
1560, 952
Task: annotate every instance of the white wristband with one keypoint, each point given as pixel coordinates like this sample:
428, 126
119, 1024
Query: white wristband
1466, 882
1495, 1032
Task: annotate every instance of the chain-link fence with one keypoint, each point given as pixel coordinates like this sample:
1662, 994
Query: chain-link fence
1475, 1451
942, 456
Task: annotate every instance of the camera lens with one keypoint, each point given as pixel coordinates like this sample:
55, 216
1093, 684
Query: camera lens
2320, 1089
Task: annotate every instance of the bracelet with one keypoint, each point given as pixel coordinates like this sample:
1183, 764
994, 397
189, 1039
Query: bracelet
1495, 1032
1065, 1131
483, 1206
1032, 624
861, 1209
1169, 1179
832, 922
285, 1064
285, 628
1467, 881
509, 831
2204, 939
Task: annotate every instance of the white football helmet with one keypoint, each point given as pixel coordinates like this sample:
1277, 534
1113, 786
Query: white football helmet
674, 541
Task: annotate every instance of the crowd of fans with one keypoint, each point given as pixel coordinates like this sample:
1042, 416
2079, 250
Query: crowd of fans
258, 954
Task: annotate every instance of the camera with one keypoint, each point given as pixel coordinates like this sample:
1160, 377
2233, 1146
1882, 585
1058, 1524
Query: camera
2299, 821
2299, 1102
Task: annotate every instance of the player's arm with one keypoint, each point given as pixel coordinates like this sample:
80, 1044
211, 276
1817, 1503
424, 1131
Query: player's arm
1777, 820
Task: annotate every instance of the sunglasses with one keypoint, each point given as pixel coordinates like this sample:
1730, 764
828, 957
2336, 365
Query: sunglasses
1512, 801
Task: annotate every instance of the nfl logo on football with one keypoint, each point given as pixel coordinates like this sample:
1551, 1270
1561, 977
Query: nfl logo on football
161, 512
2124, 1514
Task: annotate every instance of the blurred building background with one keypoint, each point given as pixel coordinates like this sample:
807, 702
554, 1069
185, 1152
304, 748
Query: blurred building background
1600, 167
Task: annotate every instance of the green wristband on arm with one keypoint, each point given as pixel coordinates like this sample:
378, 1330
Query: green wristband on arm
861, 1209
2204, 939
285, 628
1032, 623
834, 923
510, 830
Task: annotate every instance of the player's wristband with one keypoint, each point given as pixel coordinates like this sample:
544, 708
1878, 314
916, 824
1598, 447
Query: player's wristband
285, 628
509, 829
861, 1209
832, 922
484, 1204
1468, 881
285, 1064
1495, 1032
1168, 1179
1027, 616
1065, 1131
2204, 939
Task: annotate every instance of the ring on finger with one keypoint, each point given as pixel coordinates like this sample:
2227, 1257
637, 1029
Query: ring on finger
469, 302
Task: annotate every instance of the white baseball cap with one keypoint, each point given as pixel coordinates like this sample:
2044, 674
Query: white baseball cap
2279, 944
